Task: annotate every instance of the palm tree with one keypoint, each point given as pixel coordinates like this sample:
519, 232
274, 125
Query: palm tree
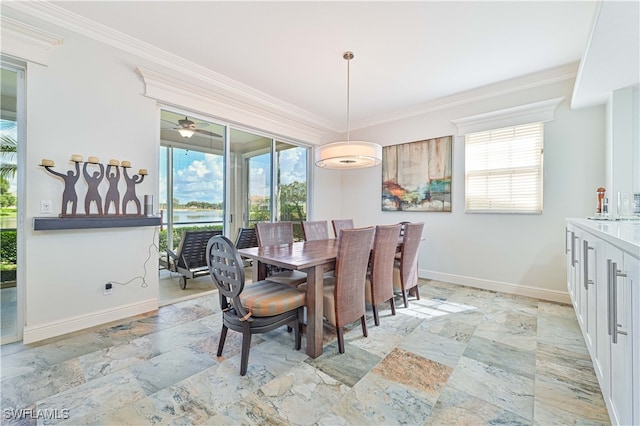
8, 150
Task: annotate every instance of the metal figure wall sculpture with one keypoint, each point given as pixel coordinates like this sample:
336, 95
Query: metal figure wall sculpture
70, 196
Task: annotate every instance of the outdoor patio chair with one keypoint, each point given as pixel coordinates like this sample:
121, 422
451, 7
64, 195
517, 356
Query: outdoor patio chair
190, 259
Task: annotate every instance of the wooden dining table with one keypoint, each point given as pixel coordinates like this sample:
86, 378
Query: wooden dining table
313, 257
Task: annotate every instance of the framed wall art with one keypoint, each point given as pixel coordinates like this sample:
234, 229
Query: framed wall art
416, 176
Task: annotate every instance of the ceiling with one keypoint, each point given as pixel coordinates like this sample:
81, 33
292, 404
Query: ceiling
407, 54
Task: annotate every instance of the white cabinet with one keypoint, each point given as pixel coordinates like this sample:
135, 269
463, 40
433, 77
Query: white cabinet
620, 397
591, 252
571, 248
603, 283
632, 265
600, 353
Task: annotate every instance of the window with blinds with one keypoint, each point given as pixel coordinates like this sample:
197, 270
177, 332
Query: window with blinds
503, 170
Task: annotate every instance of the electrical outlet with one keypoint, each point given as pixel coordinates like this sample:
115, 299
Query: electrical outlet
45, 206
108, 288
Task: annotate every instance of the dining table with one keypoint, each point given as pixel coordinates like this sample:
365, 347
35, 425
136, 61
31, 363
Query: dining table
312, 257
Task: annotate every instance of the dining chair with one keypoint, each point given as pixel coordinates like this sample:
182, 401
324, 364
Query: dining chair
257, 308
405, 270
277, 233
343, 298
402, 224
379, 282
246, 238
274, 233
315, 230
339, 224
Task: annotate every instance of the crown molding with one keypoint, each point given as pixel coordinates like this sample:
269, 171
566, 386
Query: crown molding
515, 116
174, 91
529, 81
188, 70
27, 42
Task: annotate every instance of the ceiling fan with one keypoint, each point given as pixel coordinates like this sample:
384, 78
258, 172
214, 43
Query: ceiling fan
187, 128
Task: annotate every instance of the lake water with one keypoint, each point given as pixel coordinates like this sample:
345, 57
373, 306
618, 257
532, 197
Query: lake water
189, 217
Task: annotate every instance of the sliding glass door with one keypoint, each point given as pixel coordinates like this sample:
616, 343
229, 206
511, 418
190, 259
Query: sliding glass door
291, 185
11, 205
206, 182
191, 176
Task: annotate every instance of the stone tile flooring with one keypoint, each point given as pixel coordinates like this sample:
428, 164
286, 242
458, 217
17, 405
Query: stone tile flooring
457, 356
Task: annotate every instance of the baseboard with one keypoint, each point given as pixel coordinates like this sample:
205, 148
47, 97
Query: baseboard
520, 290
39, 332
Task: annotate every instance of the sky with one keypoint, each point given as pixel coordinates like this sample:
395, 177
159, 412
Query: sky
199, 176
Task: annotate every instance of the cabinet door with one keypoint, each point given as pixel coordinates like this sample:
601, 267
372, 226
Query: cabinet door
632, 266
621, 382
579, 292
591, 253
572, 262
602, 344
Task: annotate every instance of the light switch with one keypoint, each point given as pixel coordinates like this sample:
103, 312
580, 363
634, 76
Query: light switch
45, 206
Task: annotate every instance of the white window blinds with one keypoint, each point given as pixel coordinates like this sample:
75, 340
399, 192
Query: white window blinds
503, 170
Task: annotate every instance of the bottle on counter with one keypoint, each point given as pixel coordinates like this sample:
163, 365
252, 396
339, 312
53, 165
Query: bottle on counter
600, 192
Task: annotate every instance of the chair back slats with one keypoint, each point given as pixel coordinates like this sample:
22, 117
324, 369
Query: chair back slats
192, 249
315, 230
246, 238
339, 224
226, 270
354, 248
409, 254
275, 233
382, 259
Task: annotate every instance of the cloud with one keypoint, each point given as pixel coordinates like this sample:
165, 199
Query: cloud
200, 177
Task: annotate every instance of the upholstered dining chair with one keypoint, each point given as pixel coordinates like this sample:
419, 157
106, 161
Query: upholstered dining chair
379, 287
315, 230
276, 233
343, 298
405, 270
257, 308
339, 224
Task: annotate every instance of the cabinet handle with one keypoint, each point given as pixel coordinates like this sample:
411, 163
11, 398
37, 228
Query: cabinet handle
609, 308
615, 273
585, 264
566, 244
573, 249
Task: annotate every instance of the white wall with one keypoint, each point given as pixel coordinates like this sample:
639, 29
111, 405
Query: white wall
521, 254
87, 101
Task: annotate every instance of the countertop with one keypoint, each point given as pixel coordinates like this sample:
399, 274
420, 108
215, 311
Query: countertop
624, 234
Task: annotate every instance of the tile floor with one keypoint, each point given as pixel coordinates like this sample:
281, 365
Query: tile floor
457, 356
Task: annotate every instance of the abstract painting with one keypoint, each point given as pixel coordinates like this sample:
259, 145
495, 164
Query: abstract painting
416, 176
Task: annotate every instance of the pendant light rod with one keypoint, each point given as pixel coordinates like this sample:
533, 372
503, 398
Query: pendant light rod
348, 56
348, 154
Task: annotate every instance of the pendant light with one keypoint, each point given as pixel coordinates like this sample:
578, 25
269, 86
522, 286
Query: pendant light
348, 154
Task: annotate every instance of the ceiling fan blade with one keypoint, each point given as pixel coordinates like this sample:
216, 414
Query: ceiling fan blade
172, 123
208, 133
